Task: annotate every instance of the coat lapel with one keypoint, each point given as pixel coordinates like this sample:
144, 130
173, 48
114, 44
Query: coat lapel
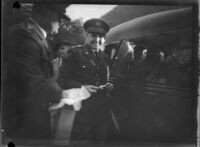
88, 54
40, 35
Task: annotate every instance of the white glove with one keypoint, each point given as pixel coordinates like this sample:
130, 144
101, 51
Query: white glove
73, 97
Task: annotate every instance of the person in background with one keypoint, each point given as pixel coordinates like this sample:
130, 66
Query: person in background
137, 70
63, 20
30, 86
87, 65
125, 70
176, 68
61, 51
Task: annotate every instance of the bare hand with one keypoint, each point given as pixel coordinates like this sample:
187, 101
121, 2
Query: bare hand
91, 88
56, 66
55, 62
109, 86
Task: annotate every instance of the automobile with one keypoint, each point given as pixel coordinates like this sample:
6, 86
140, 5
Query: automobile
156, 99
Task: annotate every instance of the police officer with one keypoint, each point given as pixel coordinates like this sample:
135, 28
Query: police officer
87, 66
30, 86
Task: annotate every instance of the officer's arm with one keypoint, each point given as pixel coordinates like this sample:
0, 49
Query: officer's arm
68, 70
28, 56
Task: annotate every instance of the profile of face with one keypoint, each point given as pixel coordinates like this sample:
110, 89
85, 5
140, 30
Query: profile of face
47, 15
162, 56
52, 21
140, 53
95, 40
55, 22
62, 51
183, 56
144, 54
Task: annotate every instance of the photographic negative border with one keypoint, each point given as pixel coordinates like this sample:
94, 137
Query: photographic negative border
196, 52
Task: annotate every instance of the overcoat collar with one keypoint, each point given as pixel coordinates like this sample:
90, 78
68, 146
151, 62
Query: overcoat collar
32, 24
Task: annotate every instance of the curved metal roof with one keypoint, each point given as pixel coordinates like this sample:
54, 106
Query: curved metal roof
167, 22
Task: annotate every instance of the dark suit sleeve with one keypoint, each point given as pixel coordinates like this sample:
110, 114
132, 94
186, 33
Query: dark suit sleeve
28, 54
117, 74
68, 71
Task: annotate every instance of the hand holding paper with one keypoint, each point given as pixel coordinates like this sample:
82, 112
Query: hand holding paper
73, 97
91, 88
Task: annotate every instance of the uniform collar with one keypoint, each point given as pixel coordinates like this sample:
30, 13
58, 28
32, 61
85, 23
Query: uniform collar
88, 51
91, 49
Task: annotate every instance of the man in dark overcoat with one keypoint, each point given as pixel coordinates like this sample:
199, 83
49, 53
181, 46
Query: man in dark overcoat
29, 86
87, 65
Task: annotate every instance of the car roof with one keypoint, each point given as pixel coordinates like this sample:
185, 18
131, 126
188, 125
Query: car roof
157, 29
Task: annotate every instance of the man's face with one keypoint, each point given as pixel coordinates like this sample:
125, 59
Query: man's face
95, 40
55, 22
63, 51
140, 55
183, 56
52, 20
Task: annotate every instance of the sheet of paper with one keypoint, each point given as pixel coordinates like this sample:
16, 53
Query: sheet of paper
75, 97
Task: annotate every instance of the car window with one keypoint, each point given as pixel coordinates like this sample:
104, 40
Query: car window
172, 69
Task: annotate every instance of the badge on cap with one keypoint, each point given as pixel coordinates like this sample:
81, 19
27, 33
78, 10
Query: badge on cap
98, 23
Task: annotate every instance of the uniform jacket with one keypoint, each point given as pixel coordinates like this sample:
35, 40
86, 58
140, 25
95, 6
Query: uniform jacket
83, 68
30, 87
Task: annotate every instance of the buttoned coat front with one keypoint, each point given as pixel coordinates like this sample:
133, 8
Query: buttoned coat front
82, 67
